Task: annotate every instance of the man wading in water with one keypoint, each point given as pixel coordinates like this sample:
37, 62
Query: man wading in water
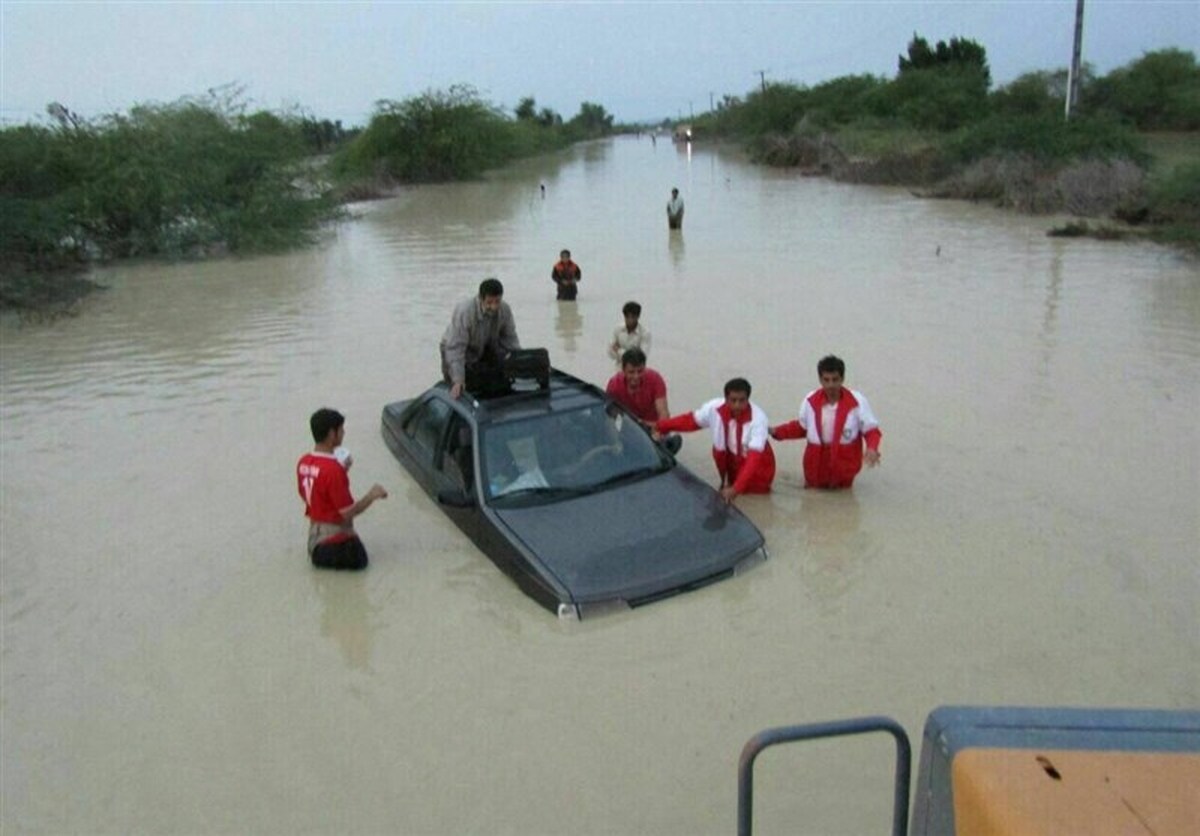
675, 210
567, 276
324, 484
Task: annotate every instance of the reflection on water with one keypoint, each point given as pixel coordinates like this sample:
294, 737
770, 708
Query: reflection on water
1020, 543
1050, 319
676, 249
346, 615
838, 553
568, 325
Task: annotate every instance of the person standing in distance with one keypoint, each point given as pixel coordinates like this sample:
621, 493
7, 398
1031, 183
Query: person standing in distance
675, 211
741, 450
480, 335
566, 276
838, 423
630, 334
322, 478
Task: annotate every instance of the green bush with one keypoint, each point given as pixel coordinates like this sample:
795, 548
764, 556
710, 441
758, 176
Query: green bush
1046, 139
840, 101
161, 180
455, 135
440, 135
1177, 195
39, 174
1159, 91
1032, 94
938, 99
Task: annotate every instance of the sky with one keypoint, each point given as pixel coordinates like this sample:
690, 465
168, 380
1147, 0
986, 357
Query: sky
642, 61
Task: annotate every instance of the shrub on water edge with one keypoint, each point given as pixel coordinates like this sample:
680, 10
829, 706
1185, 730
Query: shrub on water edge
1174, 206
170, 180
1091, 188
1177, 194
446, 135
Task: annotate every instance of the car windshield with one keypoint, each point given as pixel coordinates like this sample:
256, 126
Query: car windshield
562, 454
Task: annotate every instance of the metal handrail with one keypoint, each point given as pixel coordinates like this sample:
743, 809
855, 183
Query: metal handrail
811, 731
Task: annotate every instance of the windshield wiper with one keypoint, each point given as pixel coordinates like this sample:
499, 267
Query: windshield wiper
627, 476
538, 490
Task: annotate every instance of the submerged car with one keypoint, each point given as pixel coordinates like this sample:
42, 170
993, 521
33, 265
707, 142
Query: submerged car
569, 495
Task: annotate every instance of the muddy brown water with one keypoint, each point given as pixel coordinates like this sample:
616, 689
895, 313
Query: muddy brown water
172, 665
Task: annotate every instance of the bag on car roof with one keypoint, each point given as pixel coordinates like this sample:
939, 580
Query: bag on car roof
528, 364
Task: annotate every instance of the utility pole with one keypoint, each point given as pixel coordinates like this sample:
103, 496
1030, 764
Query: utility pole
1076, 55
762, 74
710, 101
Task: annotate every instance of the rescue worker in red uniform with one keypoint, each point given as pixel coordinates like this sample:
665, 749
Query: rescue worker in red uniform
741, 449
838, 423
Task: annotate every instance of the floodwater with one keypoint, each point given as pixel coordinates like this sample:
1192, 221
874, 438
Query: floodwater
171, 664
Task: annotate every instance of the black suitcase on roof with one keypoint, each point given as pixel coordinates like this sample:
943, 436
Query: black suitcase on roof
526, 365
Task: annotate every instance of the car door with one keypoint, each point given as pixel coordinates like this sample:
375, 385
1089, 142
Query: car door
455, 471
424, 429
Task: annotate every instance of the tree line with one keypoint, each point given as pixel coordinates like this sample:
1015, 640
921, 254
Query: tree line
939, 123
205, 174
947, 87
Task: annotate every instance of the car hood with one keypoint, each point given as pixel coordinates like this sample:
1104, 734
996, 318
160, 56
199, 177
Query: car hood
636, 540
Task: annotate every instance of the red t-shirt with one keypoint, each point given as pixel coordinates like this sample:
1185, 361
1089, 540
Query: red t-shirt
641, 401
324, 486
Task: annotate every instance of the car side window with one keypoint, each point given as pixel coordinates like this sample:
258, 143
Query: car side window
458, 461
427, 425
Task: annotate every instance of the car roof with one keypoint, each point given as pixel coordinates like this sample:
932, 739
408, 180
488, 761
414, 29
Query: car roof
564, 392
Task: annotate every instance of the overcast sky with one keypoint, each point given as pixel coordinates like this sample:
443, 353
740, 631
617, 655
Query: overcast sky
640, 60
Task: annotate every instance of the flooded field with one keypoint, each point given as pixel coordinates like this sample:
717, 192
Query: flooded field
171, 664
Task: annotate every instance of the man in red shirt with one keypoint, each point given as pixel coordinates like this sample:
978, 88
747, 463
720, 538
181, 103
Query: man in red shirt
640, 390
324, 485
643, 392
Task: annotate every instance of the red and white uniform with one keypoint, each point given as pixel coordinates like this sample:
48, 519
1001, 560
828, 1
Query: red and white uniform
741, 446
324, 486
834, 453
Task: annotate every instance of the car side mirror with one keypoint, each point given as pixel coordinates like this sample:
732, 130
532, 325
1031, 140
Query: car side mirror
455, 498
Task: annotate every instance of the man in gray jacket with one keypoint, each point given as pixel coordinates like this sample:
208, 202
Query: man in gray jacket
480, 335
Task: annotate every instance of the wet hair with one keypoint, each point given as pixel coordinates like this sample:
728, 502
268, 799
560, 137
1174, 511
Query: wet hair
633, 357
566, 253
830, 363
632, 308
490, 287
323, 421
738, 384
